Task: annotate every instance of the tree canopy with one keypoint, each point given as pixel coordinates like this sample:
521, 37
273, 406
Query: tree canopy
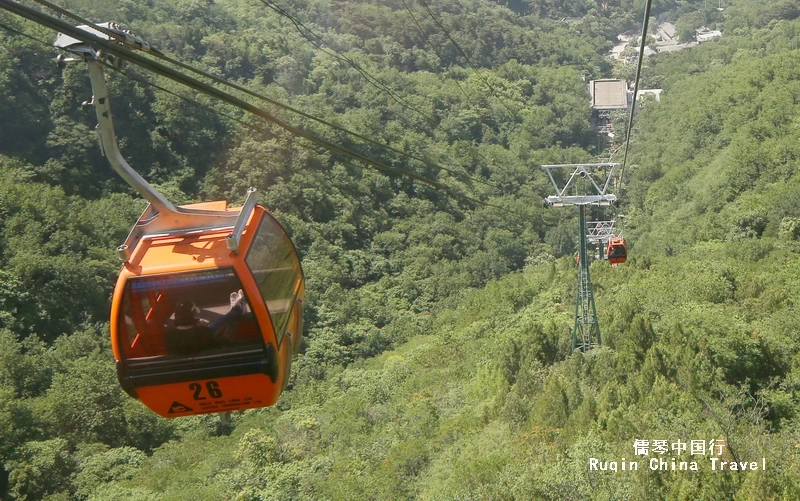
437, 363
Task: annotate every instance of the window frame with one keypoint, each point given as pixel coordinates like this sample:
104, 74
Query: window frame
296, 267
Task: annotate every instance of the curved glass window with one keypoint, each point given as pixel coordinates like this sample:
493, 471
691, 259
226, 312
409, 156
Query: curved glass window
186, 315
275, 266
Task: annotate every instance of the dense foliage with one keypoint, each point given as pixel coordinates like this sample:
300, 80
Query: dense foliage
437, 363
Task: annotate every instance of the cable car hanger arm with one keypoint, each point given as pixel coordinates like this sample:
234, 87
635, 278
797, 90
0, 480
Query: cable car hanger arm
110, 149
161, 216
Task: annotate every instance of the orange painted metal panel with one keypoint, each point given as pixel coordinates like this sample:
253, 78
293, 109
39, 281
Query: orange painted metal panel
205, 396
617, 251
207, 250
171, 254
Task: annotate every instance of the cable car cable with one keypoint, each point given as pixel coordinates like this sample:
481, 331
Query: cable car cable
333, 52
325, 122
464, 54
241, 88
463, 91
300, 27
437, 53
642, 40
320, 120
158, 68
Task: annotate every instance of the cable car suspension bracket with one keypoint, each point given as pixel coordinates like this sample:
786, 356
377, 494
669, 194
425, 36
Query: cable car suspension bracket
601, 195
161, 217
598, 232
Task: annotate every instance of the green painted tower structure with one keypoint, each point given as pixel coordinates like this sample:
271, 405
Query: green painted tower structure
586, 333
582, 188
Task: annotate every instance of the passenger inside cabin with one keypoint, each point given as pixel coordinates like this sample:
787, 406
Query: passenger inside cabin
616, 251
192, 334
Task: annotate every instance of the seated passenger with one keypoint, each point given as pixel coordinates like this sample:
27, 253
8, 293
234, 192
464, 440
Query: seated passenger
617, 251
192, 334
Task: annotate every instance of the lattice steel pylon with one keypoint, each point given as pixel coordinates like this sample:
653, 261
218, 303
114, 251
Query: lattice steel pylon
586, 332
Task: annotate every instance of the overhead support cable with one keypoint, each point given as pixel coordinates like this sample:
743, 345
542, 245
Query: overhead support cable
433, 47
305, 31
241, 88
332, 125
642, 41
465, 56
223, 115
160, 69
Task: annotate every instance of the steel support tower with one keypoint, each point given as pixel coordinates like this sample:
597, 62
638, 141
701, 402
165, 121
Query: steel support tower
583, 178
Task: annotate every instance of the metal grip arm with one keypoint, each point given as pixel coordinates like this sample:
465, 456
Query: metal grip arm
161, 217
108, 143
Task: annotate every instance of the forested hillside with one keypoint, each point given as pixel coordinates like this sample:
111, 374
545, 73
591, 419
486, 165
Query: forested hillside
437, 363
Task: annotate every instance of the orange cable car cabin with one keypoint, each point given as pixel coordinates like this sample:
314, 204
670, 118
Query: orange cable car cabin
180, 343
617, 251
207, 309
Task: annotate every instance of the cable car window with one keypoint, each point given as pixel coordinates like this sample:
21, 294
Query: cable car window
276, 270
186, 314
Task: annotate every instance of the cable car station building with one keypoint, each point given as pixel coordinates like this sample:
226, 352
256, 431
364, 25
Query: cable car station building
607, 95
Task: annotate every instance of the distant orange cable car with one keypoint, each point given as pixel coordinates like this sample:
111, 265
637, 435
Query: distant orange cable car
182, 344
207, 310
617, 251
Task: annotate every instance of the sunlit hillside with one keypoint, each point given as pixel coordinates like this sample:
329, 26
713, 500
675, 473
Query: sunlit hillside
438, 360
